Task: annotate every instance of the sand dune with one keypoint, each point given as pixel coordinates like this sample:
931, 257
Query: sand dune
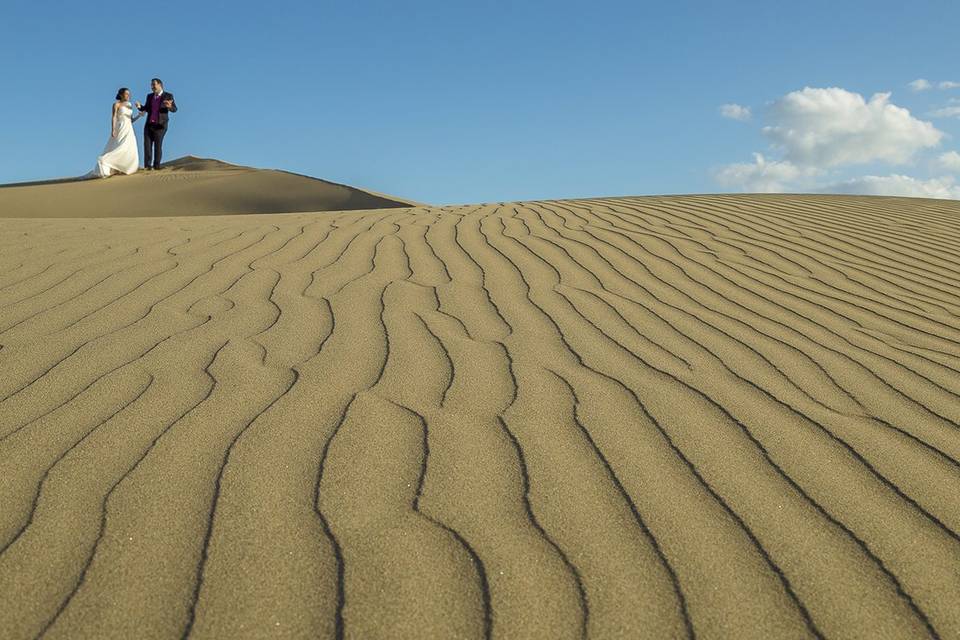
717, 416
188, 186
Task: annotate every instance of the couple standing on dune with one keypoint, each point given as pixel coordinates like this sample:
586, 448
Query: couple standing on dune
120, 154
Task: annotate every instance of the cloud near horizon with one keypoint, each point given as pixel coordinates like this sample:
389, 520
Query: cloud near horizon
831, 127
949, 161
762, 175
897, 185
818, 132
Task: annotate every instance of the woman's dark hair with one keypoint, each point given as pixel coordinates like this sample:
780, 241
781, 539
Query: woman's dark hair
120, 93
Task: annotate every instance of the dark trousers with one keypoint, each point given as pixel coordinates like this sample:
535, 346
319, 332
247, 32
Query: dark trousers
153, 144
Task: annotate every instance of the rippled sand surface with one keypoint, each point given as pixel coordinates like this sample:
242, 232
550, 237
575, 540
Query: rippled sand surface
721, 416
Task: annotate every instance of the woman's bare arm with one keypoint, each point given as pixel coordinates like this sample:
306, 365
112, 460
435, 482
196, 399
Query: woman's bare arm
113, 120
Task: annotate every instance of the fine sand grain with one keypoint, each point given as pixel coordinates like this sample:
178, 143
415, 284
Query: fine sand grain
720, 416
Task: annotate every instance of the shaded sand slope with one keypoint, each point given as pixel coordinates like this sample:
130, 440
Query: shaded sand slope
664, 417
188, 186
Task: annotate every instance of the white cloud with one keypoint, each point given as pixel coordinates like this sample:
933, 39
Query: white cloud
735, 112
761, 175
946, 112
920, 84
817, 132
949, 84
949, 161
832, 126
897, 185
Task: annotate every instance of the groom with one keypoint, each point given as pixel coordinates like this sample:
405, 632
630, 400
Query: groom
159, 104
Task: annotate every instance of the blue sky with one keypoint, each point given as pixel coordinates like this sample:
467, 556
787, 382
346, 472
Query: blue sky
456, 102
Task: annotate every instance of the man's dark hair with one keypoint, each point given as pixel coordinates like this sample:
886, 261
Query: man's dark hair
157, 80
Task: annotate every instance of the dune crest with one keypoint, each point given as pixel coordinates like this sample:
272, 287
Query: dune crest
187, 186
721, 416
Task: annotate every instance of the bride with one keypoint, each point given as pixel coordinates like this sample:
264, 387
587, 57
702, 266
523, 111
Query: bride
120, 155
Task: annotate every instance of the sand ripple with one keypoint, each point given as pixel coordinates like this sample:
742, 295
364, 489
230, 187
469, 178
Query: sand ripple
664, 417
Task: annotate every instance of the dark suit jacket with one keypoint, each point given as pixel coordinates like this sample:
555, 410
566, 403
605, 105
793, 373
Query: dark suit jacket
164, 118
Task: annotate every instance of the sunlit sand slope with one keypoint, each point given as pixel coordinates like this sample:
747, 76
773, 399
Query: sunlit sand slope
657, 417
187, 186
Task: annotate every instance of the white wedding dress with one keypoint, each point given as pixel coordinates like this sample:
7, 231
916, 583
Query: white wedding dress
121, 154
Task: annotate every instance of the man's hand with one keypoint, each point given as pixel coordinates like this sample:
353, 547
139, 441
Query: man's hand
138, 104
168, 103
